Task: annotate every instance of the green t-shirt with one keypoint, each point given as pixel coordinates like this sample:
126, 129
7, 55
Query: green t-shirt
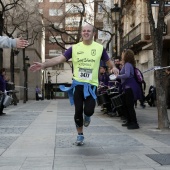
86, 61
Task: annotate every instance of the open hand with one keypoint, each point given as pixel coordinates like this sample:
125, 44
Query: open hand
20, 43
115, 71
36, 66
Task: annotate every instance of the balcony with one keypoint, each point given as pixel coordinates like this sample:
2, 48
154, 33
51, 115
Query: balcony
137, 37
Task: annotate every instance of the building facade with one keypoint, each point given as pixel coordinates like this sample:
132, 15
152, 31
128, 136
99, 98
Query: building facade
137, 36
26, 23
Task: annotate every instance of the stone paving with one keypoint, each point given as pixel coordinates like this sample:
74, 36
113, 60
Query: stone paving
40, 135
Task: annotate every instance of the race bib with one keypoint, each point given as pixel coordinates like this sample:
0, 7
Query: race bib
85, 74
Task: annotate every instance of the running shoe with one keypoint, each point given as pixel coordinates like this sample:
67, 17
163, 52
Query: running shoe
80, 139
86, 121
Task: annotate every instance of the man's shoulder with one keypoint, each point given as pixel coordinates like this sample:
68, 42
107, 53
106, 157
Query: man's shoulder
96, 43
77, 44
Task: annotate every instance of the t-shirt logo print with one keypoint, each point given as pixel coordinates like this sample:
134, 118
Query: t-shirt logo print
93, 52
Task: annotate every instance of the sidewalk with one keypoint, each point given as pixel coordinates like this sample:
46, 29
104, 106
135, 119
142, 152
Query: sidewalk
40, 135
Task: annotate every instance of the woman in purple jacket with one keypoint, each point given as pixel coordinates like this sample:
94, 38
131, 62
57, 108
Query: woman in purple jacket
131, 89
2, 90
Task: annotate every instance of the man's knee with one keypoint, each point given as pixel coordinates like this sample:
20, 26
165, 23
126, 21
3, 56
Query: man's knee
89, 111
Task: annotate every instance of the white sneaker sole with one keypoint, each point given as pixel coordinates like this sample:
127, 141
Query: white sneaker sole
79, 143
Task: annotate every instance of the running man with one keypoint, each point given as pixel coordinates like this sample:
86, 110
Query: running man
86, 57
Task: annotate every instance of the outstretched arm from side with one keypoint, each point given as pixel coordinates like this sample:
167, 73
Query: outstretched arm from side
112, 67
6, 42
49, 63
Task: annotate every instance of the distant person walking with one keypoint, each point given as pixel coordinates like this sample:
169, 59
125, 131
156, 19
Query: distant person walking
2, 90
37, 92
86, 57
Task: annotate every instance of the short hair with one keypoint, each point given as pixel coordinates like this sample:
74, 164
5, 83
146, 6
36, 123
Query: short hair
93, 28
2, 70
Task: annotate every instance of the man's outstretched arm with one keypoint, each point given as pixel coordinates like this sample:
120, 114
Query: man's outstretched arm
112, 67
49, 63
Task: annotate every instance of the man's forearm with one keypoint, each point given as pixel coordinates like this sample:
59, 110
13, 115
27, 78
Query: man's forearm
54, 61
110, 64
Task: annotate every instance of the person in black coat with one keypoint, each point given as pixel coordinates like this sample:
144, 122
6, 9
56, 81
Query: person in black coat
151, 96
2, 90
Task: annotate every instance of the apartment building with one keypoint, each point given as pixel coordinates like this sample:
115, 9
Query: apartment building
133, 31
137, 36
62, 20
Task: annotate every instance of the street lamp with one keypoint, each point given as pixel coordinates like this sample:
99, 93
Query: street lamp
25, 69
49, 76
48, 85
12, 64
115, 18
1, 32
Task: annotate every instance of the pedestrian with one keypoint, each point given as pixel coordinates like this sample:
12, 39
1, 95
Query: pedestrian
2, 90
86, 57
103, 81
131, 89
37, 93
103, 76
117, 63
151, 96
6, 42
167, 87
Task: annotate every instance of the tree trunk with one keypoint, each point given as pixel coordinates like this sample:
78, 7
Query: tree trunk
157, 43
163, 121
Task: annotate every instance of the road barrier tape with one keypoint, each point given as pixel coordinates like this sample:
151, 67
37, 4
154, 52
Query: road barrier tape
155, 68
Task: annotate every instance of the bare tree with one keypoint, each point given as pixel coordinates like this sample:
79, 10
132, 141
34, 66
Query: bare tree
5, 7
21, 20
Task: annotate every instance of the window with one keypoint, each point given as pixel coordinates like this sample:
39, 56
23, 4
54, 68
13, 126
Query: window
40, 11
55, 53
58, 66
56, 0
74, 7
53, 39
55, 12
58, 25
72, 21
103, 35
100, 7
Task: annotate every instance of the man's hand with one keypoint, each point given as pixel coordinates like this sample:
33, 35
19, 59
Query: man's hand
115, 71
36, 66
20, 43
